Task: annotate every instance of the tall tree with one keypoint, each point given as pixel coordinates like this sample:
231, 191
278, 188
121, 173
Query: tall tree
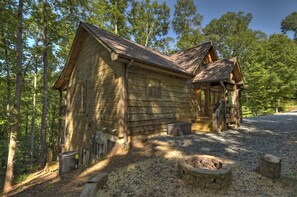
231, 35
290, 24
187, 24
45, 86
7, 52
149, 21
33, 114
109, 15
116, 16
17, 102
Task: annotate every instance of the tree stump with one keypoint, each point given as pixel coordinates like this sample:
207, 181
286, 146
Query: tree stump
269, 166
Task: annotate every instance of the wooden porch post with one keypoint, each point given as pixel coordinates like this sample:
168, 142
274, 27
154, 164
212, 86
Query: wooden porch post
208, 101
240, 105
225, 97
235, 107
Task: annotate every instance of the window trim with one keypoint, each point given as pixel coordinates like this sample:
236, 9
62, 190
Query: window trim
159, 79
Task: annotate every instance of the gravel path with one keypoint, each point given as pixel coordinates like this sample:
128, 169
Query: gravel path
156, 173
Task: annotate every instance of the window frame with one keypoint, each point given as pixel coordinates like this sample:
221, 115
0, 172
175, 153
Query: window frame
160, 91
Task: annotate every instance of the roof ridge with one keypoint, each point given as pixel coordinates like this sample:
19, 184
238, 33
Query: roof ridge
148, 48
235, 57
166, 57
196, 46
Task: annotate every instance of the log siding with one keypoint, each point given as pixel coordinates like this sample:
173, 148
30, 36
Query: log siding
149, 115
93, 95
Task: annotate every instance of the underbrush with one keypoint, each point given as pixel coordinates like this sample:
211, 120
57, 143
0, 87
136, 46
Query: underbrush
290, 105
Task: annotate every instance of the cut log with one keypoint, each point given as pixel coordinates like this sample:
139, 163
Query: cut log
269, 166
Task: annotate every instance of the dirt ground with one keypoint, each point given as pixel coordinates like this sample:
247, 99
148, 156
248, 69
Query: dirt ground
150, 169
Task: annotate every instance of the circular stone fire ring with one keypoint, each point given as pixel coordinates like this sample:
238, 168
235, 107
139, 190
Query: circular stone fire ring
205, 171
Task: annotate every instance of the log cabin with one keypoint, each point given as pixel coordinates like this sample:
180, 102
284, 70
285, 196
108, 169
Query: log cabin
113, 90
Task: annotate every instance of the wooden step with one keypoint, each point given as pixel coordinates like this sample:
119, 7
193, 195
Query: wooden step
203, 118
204, 125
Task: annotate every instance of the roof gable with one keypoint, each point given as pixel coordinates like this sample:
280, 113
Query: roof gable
219, 71
191, 58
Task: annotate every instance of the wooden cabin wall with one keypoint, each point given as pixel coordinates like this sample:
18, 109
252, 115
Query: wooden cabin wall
151, 115
93, 95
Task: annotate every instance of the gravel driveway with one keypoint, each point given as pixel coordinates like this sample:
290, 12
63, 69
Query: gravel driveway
156, 173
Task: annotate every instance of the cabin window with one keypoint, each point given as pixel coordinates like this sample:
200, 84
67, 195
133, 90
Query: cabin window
154, 88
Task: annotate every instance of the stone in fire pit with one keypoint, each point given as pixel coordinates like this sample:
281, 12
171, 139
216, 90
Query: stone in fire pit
205, 171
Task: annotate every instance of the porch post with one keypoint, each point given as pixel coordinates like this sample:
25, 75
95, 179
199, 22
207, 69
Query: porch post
225, 97
240, 105
208, 101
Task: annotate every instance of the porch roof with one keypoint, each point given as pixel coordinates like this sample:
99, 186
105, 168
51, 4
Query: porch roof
216, 71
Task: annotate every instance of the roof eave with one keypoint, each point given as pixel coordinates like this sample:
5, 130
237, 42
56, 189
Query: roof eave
128, 58
60, 81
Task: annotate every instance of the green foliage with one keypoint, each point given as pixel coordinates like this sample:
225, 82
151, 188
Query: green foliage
270, 73
149, 22
290, 104
231, 35
290, 24
187, 24
110, 15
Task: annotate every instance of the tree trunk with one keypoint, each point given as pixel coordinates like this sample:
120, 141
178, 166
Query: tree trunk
148, 35
53, 126
45, 90
27, 124
17, 103
276, 107
8, 82
33, 118
269, 166
116, 26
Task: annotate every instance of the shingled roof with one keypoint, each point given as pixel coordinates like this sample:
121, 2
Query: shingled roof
215, 71
191, 58
127, 48
184, 62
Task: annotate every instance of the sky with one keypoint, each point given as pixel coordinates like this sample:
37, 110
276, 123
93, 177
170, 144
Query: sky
267, 14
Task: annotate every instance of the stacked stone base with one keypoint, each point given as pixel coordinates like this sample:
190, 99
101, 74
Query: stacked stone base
204, 178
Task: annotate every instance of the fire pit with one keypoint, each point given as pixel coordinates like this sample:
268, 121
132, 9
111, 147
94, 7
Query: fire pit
205, 171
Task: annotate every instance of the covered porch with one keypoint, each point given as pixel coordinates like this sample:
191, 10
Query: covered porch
218, 96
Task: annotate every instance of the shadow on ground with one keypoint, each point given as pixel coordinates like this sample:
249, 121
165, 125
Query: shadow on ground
273, 134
